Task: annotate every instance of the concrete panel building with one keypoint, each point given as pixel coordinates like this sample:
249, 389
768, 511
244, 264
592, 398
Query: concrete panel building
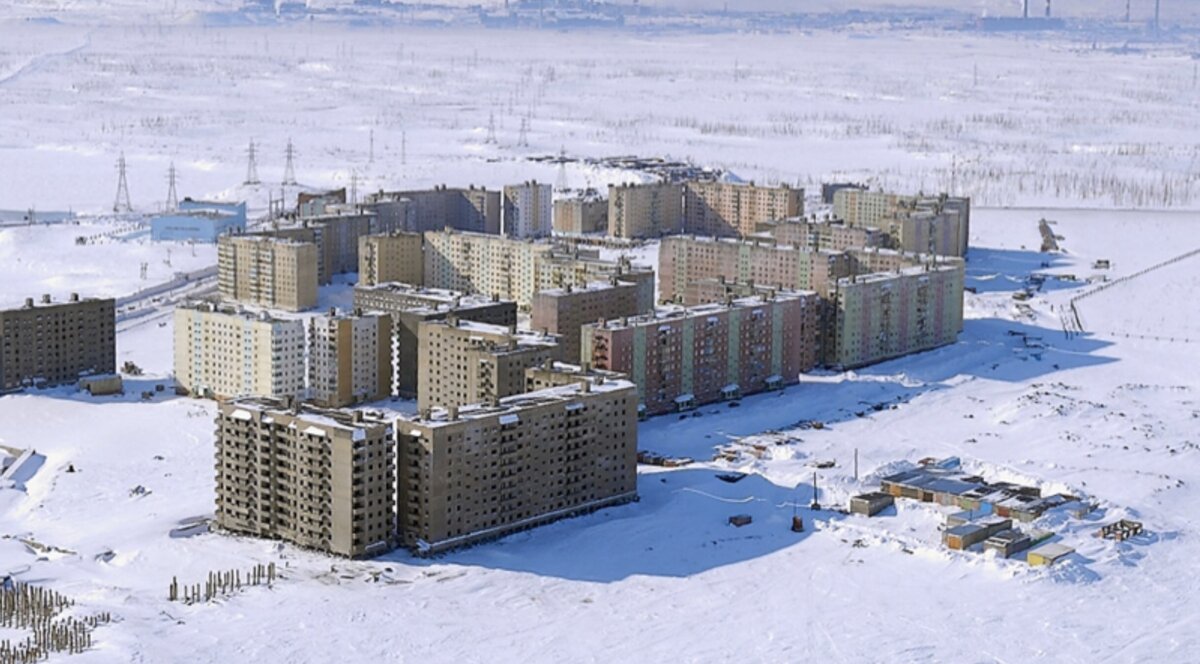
564, 311
926, 224
684, 260
681, 358
824, 235
350, 358
727, 209
481, 472
463, 362
886, 315
198, 221
223, 353
528, 210
55, 343
474, 209
395, 257
267, 271
410, 306
645, 210
582, 214
337, 238
320, 479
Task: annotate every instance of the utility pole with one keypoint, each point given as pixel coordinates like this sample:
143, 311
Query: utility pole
371, 152
403, 148
289, 169
491, 135
815, 504
353, 187
122, 202
252, 166
172, 196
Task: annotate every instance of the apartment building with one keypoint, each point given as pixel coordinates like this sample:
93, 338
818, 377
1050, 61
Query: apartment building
350, 358
474, 209
727, 209
823, 235
925, 224
267, 271
582, 214
410, 306
463, 362
685, 260
644, 210
320, 479
55, 343
885, 315
862, 207
395, 257
528, 210
564, 311
516, 270
681, 358
222, 352
336, 235
484, 471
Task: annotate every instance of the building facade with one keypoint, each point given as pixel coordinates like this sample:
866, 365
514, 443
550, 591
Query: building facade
528, 211
464, 362
727, 209
681, 358
481, 472
266, 271
350, 358
474, 209
323, 480
395, 257
825, 235
57, 343
580, 215
198, 221
223, 353
564, 311
644, 210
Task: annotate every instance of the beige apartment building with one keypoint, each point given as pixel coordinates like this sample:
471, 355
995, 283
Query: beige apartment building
644, 210
564, 311
269, 272
350, 358
824, 235
56, 343
474, 209
924, 224
484, 471
395, 257
320, 479
463, 362
223, 353
528, 210
727, 209
580, 215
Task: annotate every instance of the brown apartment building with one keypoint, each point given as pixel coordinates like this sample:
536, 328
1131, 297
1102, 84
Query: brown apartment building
726, 209
350, 358
484, 471
564, 311
463, 362
56, 343
681, 358
321, 479
394, 257
582, 214
644, 210
267, 271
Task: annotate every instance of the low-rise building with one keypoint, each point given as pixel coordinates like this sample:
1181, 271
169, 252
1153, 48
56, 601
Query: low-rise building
582, 214
394, 257
56, 343
484, 471
684, 357
644, 210
463, 362
564, 311
350, 358
728, 209
267, 271
320, 479
222, 352
198, 221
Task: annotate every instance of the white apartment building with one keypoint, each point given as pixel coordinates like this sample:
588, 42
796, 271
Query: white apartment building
528, 210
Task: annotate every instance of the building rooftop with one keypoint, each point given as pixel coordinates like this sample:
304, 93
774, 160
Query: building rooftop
590, 287
672, 312
511, 407
352, 421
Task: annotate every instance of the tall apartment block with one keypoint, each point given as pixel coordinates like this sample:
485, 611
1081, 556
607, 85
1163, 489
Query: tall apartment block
515, 270
527, 210
410, 306
924, 224
885, 315
564, 311
681, 358
337, 238
481, 472
223, 353
685, 260
350, 358
726, 209
473, 209
394, 257
56, 343
644, 210
323, 480
267, 271
824, 235
463, 362
585, 213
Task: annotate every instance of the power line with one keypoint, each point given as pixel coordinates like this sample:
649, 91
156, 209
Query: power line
172, 196
122, 202
252, 166
289, 170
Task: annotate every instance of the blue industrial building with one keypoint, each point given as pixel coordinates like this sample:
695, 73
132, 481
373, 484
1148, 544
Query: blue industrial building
198, 221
